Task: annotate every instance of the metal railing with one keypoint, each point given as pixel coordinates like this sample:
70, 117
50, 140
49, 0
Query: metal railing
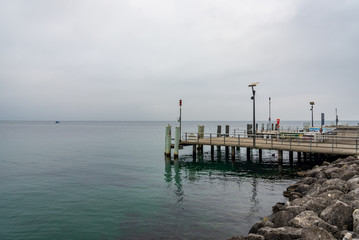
275, 139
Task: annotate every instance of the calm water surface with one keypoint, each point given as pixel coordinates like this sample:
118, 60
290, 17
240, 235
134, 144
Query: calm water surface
109, 180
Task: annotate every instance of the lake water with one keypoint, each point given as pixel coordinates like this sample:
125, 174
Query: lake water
109, 180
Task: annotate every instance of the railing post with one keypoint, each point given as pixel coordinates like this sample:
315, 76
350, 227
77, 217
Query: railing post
271, 139
239, 137
310, 144
210, 138
356, 145
186, 136
333, 145
290, 143
224, 139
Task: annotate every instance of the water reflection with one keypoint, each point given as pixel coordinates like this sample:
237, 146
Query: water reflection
206, 168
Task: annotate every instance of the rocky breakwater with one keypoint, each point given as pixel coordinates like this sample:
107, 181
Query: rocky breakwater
324, 204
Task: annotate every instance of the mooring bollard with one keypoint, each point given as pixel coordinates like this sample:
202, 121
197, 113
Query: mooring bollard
168, 141
177, 139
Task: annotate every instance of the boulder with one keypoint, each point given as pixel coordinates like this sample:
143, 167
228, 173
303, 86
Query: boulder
353, 183
282, 233
281, 218
316, 233
356, 221
338, 214
334, 184
309, 219
278, 207
348, 174
249, 237
308, 180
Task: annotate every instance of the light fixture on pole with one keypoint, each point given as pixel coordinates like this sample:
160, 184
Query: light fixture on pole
311, 109
270, 119
252, 85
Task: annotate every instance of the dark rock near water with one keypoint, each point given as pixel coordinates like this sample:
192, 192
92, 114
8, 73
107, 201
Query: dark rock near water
339, 214
324, 204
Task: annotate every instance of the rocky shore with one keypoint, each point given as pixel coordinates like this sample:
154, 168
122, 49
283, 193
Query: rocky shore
324, 204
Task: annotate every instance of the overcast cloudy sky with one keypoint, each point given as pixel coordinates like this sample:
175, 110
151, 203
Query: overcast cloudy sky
134, 59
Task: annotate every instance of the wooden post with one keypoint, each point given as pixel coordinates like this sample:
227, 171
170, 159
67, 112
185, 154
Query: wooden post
260, 154
177, 139
194, 151
227, 135
168, 141
299, 157
248, 154
219, 132
200, 136
280, 157
291, 157
233, 153
212, 152
304, 156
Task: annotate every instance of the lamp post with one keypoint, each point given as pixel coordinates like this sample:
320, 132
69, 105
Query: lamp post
311, 109
270, 120
180, 118
252, 85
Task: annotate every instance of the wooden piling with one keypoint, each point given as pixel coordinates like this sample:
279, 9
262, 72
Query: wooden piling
219, 132
260, 154
291, 157
212, 152
168, 141
233, 153
299, 157
227, 135
177, 139
280, 157
248, 154
194, 150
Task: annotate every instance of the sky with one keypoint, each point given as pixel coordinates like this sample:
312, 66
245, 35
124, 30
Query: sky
120, 60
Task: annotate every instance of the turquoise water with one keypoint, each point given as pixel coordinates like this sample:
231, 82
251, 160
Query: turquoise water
109, 180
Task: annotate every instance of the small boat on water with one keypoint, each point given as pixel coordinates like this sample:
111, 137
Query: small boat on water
57, 122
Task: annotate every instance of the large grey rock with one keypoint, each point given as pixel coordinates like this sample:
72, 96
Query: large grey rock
338, 214
349, 174
281, 218
308, 180
353, 183
309, 219
316, 233
328, 172
356, 221
334, 184
249, 237
283, 233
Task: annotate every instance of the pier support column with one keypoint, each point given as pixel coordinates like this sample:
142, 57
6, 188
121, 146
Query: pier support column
227, 135
299, 157
212, 152
280, 157
168, 141
233, 153
219, 132
177, 138
304, 156
194, 150
291, 157
200, 136
248, 154
260, 154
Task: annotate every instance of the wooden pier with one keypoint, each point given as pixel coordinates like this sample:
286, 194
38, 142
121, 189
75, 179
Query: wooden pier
299, 142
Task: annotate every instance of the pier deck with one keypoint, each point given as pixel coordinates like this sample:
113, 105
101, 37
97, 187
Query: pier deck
329, 146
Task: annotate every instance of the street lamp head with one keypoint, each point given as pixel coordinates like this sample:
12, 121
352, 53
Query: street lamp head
311, 103
253, 84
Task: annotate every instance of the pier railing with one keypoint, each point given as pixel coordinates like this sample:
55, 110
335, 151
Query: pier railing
293, 141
